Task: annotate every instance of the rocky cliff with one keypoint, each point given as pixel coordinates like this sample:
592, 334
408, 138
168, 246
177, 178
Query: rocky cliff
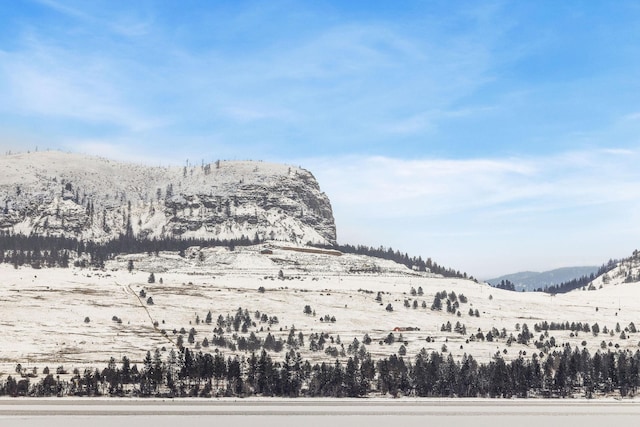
72, 195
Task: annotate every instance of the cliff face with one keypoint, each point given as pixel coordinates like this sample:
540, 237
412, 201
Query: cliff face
72, 195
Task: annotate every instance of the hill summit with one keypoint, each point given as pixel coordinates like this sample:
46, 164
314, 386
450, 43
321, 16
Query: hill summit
53, 193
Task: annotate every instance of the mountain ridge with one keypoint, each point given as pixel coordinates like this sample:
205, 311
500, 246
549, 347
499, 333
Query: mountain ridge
532, 280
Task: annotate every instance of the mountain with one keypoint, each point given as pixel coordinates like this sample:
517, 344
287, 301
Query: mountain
72, 195
531, 280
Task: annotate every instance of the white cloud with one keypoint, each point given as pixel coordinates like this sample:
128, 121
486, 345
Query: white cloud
428, 120
390, 187
511, 213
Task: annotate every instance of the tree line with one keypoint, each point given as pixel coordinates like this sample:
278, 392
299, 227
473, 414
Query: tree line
507, 285
184, 373
46, 251
411, 262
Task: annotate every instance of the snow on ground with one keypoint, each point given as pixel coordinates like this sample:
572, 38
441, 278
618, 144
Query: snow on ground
44, 311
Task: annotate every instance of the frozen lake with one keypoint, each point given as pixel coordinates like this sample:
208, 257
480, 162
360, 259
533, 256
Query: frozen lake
302, 412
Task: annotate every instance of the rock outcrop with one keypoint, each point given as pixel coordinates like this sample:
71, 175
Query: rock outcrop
91, 198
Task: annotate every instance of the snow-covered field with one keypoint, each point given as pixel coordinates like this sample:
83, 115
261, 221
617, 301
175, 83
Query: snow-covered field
69, 317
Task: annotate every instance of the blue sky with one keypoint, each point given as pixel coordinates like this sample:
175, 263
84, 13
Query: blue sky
492, 136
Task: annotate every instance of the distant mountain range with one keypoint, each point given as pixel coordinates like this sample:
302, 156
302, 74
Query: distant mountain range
532, 280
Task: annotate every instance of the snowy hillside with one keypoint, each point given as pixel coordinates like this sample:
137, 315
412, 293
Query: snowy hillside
354, 302
626, 271
72, 195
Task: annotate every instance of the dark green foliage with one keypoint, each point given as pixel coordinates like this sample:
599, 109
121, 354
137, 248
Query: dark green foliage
188, 373
506, 285
45, 251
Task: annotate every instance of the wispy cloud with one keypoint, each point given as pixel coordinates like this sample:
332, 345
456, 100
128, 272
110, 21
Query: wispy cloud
122, 24
632, 116
251, 113
425, 122
64, 9
395, 187
48, 81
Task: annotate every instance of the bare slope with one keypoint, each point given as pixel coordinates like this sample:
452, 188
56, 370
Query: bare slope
72, 195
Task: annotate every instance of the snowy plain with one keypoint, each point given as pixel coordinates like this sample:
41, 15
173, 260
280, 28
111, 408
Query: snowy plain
65, 317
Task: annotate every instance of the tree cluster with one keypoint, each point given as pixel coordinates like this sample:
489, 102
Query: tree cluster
187, 373
507, 285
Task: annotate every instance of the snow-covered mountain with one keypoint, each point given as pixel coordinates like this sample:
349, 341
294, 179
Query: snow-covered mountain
72, 195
